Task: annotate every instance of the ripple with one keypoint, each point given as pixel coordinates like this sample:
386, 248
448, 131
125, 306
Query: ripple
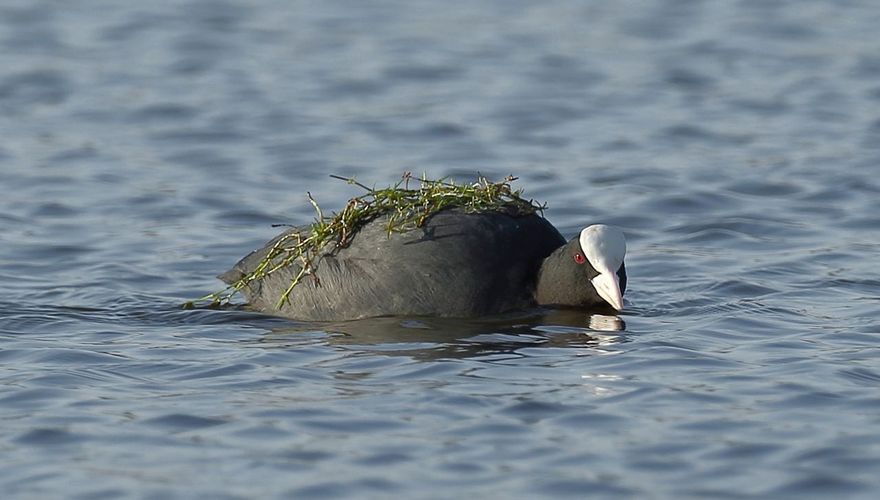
190, 136
48, 437
345, 426
737, 288
164, 113
576, 487
31, 398
819, 483
47, 87
689, 133
183, 422
689, 80
422, 73
749, 451
346, 488
764, 188
861, 376
739, 226
160, 143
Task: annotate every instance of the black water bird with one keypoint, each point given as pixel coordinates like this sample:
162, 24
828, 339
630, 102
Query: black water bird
457, 264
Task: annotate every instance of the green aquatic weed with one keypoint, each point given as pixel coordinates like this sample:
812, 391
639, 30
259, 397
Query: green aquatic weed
407, 208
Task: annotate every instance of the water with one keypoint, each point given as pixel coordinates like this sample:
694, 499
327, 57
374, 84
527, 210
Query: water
147, 147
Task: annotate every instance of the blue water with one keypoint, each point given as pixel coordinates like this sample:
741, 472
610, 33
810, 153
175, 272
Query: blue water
147, 146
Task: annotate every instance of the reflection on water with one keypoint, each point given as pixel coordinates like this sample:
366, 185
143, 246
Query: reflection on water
600, 384
605, 323
437, 338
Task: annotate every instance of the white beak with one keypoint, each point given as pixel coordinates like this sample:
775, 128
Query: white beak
608, 286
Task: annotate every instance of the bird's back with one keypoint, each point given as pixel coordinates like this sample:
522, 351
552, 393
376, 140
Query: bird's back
457, 264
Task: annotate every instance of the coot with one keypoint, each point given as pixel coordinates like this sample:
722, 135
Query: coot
457, 264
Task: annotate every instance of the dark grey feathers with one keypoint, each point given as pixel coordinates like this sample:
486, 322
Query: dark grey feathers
457, 265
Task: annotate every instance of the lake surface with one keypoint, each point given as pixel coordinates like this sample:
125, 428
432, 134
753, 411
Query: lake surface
147, 146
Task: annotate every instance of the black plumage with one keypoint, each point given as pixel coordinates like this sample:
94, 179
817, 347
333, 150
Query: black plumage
457, 264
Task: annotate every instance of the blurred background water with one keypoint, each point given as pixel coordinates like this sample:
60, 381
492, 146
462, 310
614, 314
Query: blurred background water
147, 146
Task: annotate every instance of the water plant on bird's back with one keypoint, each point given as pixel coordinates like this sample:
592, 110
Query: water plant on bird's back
406, 208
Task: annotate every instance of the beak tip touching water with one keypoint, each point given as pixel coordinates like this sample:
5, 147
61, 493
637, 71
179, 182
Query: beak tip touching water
608, 287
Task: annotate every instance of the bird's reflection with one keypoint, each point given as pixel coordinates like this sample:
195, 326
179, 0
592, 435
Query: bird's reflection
438, 338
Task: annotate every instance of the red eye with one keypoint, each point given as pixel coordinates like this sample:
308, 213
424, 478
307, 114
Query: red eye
579, 258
